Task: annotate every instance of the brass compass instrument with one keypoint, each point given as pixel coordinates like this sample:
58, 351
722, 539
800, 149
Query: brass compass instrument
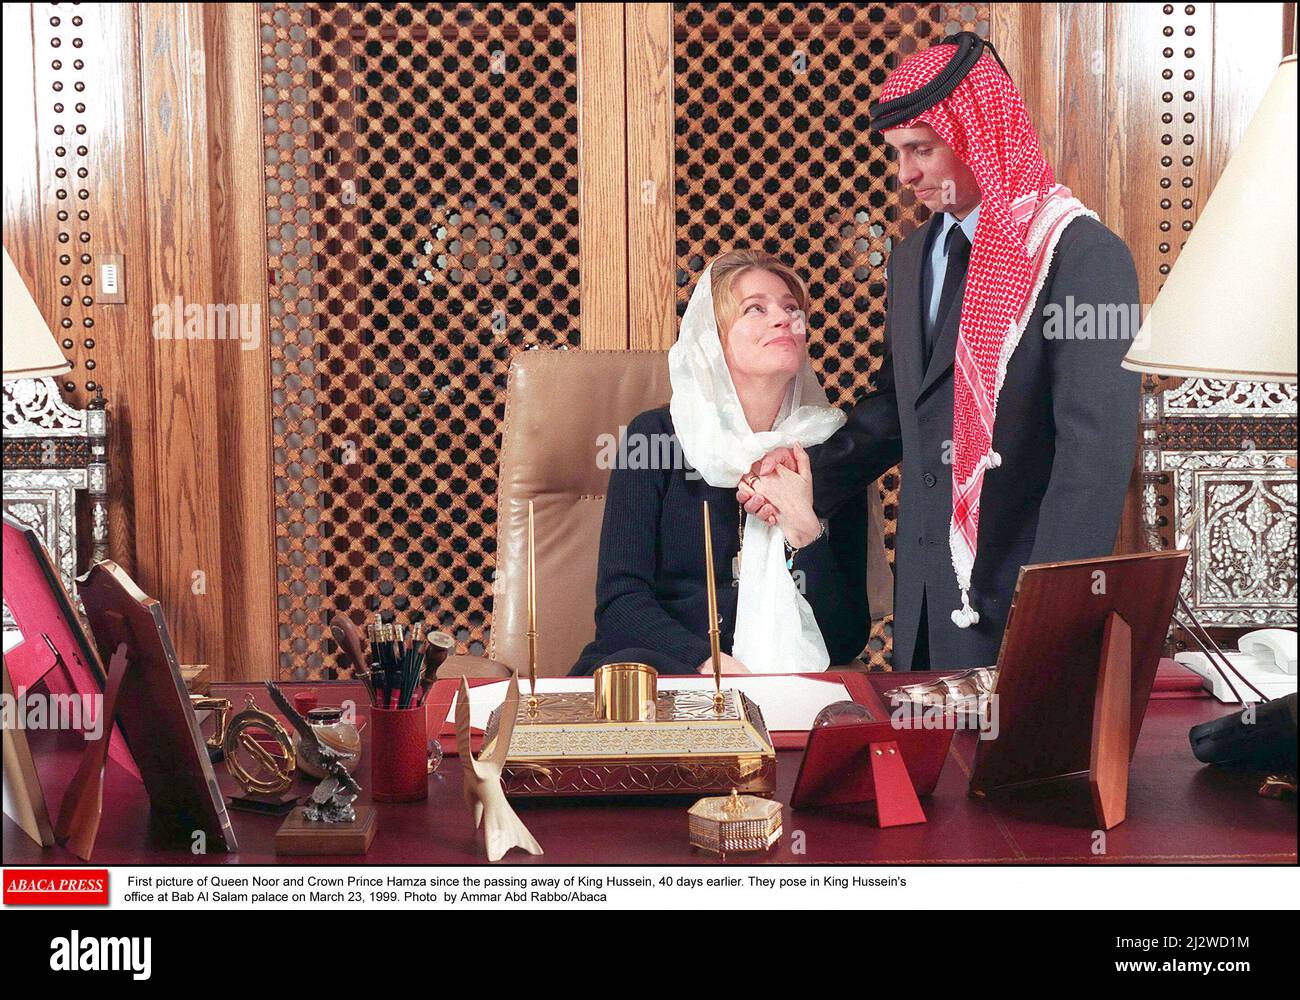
254, 766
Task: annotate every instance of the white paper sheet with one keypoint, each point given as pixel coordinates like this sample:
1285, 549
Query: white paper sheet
12, 639
788, 703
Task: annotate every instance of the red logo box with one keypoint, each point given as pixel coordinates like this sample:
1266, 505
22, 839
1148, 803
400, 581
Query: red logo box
56, 887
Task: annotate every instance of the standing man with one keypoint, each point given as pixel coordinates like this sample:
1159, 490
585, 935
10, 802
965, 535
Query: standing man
1001, 389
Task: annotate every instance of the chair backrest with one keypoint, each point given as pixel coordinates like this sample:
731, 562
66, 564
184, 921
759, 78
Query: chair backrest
562, 408
558, 406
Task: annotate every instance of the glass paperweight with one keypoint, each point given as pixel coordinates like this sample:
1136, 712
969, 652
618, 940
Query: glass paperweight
843, 713
435, 756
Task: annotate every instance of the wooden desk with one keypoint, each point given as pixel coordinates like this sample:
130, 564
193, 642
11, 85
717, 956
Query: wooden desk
1180, 812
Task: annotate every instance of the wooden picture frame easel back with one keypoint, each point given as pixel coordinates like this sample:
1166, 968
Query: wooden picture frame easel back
1078, 660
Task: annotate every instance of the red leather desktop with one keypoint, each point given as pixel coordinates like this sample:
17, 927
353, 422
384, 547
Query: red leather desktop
1180, 811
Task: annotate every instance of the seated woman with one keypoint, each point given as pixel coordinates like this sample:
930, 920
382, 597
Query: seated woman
791, 595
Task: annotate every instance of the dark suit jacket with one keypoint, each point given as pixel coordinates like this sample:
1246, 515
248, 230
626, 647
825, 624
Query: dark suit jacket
1066, 429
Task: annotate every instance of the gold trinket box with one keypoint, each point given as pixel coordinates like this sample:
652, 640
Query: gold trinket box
734, 824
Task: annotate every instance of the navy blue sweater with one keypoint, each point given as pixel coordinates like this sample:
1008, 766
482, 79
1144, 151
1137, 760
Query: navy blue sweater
650, 583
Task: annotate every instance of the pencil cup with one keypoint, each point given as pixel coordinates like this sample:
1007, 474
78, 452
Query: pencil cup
625, 692
399, 758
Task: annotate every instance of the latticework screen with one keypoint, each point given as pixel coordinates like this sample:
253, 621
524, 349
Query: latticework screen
422, 225
774, 152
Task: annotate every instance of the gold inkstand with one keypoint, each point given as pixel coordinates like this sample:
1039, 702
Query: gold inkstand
628, 737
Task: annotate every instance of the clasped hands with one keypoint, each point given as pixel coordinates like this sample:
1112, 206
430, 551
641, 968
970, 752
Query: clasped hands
779, 490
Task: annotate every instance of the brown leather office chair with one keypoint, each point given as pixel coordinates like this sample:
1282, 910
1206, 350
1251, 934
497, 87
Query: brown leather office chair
559, 405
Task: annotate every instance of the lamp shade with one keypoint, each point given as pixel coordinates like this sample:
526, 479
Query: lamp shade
30, 350
1228, 306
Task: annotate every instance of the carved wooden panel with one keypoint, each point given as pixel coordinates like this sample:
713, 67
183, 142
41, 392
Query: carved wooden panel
421, 195
51, 451
1240, 509
774, 152
1215, 470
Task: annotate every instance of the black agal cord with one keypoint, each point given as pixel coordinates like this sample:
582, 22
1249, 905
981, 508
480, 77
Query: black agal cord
887, 114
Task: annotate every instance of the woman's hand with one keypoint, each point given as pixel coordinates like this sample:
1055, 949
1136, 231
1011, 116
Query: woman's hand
791, 493
730, 665
757, 504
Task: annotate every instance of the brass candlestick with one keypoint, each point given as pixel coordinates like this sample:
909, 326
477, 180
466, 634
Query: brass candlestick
718, 701
532, 617
220, 709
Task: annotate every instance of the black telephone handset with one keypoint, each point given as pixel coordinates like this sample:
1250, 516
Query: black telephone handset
1261, 736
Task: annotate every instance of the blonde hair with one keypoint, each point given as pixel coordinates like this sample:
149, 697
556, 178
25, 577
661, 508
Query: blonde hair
727, 270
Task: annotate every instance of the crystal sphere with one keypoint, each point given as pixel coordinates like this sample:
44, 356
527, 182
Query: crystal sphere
843, 713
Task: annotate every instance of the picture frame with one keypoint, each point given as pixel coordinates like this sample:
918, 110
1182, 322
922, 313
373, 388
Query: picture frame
1076, 667
154, 711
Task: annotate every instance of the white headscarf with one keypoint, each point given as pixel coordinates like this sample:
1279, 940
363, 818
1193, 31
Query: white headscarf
776, 631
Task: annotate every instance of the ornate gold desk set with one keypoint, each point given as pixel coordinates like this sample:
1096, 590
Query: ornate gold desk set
625, 737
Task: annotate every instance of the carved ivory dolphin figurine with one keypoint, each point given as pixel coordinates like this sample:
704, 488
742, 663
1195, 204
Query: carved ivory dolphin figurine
484, 796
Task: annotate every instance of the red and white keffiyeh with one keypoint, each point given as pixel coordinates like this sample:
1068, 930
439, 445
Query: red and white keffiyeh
1023, 212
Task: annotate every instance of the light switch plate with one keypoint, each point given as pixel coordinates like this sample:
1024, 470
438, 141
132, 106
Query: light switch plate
110, 277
